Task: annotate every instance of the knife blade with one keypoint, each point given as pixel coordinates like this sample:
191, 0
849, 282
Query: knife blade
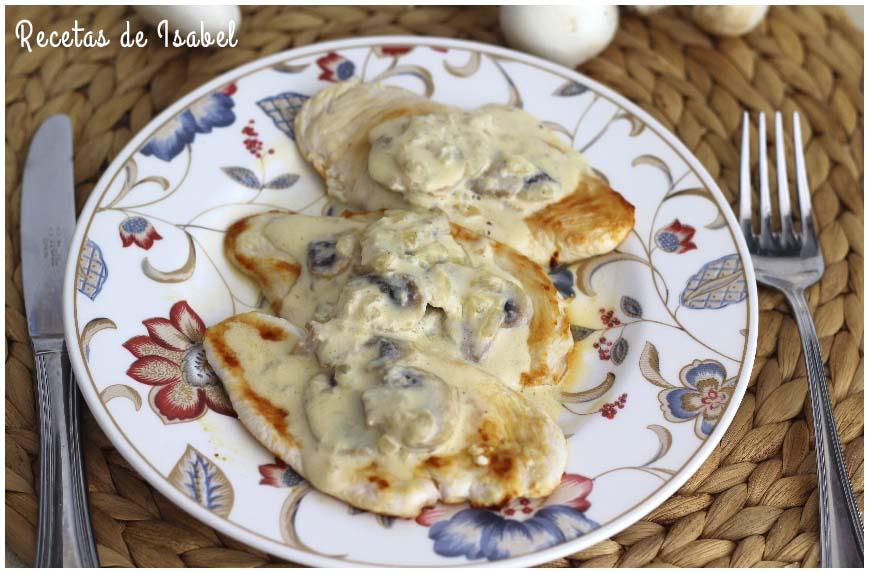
64, 534
47, 225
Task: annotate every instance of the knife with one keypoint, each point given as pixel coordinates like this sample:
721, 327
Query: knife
64, 536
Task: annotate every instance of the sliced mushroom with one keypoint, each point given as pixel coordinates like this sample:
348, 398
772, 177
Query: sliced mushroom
538, 187
541, 177
415, 408
482, 317
493, 305
388, 350
406, 377
398, 238
516, 176
383, 303
500, 180
433, 322
517, 307
512, 313
400, 288
331, 256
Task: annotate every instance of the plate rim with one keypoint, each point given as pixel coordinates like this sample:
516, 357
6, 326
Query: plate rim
242, 533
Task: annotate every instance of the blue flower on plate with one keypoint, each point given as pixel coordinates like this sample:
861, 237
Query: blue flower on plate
206, 113
521, 526
704, 397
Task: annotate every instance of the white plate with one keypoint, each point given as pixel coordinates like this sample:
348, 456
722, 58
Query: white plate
668, 322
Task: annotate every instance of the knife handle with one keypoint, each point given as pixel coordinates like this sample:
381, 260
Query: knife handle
64, 536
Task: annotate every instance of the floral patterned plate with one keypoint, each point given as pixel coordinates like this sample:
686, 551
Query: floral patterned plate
668, 321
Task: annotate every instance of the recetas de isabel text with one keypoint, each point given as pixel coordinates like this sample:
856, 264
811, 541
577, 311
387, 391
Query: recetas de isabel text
80, 37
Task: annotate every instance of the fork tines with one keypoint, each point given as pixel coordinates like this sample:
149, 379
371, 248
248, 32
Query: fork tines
786, 235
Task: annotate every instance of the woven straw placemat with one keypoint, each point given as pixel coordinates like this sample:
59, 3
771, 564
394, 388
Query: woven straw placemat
754, 502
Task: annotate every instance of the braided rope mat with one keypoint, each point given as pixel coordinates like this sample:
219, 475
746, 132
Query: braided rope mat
754, 502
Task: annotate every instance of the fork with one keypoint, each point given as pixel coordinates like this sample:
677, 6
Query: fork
790, 261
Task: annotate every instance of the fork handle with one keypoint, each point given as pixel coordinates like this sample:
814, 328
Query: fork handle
64, 536
840, 524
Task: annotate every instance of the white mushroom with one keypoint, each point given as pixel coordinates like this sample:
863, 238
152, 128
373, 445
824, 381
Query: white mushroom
646, 9
569, 35
416, 408
330, 256
187, 19
728, 20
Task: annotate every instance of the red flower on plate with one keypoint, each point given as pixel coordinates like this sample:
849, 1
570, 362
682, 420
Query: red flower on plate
676, 238
392, 51
335, 67
279, 474
138, 230
171, 359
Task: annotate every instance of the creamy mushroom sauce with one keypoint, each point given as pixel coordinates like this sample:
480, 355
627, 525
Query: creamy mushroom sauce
409, 337
314, 293
384, 418
408, 279
496, 162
